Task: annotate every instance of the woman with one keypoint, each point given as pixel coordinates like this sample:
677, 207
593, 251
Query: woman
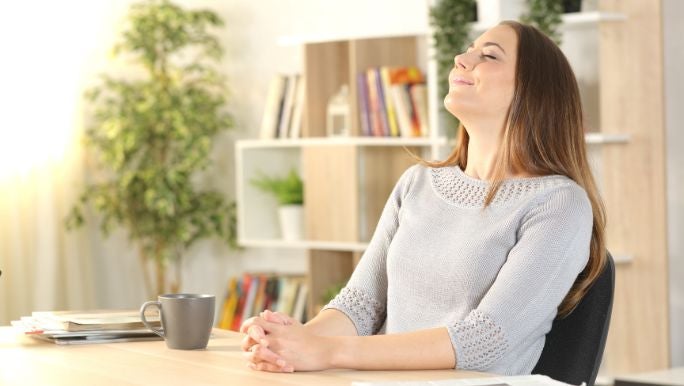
475, 256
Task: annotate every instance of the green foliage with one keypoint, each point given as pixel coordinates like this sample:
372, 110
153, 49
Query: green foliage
450, 20
151, 135
288, 190
330, 292
545, 15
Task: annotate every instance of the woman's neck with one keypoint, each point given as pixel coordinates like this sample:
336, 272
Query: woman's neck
483, 147
482, 151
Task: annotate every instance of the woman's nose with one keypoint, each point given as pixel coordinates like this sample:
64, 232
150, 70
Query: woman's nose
465, 61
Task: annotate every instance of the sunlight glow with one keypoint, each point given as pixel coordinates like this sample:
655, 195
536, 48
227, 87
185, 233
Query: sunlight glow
47, 51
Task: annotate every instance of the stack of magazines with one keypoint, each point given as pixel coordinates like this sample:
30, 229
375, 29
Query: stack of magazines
83, 327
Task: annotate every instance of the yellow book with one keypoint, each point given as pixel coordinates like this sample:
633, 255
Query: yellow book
389, 106
229, 305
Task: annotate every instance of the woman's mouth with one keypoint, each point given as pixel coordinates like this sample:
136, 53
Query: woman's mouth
461, 81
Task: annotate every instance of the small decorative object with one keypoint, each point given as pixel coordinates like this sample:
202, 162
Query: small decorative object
545, 15
289, 192
339, 121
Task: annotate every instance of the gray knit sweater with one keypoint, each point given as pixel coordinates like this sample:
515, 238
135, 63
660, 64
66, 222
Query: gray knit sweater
493, 277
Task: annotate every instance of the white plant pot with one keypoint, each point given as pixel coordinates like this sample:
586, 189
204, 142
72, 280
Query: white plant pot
491, 12
291, 222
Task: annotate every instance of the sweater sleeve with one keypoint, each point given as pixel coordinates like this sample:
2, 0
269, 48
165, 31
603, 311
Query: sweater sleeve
519, 307
364, 298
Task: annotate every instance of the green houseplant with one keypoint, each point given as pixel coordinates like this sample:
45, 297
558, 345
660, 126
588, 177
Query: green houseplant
289, 192
450, 20
545, 15
150, 136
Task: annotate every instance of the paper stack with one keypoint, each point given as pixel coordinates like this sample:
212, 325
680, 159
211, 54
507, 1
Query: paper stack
83, 327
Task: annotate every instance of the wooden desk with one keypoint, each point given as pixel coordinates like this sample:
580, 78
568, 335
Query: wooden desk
25, 361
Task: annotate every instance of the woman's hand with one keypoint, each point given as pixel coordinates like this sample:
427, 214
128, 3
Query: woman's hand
291, 345
258, 354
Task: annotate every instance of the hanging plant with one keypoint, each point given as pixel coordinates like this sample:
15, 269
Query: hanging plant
451, 22
545, 15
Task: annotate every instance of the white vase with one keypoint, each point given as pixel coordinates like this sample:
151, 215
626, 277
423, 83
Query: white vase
491, 12
291, 222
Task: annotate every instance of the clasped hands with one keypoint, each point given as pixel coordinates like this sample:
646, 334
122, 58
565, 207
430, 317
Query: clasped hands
276, 342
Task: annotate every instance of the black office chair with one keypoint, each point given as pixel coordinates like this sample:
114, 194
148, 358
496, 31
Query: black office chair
574, 346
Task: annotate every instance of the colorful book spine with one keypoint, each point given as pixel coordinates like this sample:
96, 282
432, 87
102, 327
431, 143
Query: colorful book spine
382, 109
389, 105
374, 102
364, 108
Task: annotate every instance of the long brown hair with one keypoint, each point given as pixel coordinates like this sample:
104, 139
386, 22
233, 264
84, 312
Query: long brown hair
544, 135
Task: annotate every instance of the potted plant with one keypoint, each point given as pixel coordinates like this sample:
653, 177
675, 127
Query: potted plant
151, 134
289, 192
545, 15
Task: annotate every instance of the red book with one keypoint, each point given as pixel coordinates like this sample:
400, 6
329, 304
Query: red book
244, 290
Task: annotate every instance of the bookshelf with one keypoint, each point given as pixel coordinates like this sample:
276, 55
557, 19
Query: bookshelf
356, 173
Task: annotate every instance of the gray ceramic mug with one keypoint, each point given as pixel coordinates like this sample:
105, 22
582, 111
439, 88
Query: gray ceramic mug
186, 319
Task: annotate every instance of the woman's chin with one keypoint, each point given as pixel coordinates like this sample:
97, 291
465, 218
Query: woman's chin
453, 106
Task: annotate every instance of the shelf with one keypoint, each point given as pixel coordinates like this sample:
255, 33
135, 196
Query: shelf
569, 20
296, 40
304, 244
604, 139
340, 141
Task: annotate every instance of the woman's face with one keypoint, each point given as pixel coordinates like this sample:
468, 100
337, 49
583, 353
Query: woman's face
482, 82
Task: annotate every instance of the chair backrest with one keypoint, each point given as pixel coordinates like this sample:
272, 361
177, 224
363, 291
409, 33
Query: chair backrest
574, 346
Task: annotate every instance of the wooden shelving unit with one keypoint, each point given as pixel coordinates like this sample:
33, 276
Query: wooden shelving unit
346, 179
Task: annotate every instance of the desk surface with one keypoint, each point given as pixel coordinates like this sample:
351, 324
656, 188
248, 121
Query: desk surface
25, 361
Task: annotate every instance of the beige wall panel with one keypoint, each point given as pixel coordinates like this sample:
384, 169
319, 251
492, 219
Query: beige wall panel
330, 176
326, 66
631, 60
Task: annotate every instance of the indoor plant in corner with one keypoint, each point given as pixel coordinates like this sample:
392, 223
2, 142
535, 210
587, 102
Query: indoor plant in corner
151, 134
289, 191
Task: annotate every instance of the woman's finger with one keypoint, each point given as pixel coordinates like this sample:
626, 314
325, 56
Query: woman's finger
247, 323
263, 366
277, 317
259, 354
256, 332
247, 342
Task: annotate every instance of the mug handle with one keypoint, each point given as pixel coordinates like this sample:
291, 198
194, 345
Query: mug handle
145, 322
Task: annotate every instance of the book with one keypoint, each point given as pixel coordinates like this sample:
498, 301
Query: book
248, 311
281, 106
230, 304
300, 304
260, 297
81, 327
389, 106
244, 289
98, 320
382, 108
419, 98
269, 119
364, 113
402, 104
298, 109
374, 103
289, 97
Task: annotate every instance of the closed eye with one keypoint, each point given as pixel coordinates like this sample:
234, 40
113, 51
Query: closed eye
488, 56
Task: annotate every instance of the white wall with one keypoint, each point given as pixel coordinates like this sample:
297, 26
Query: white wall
673, 30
